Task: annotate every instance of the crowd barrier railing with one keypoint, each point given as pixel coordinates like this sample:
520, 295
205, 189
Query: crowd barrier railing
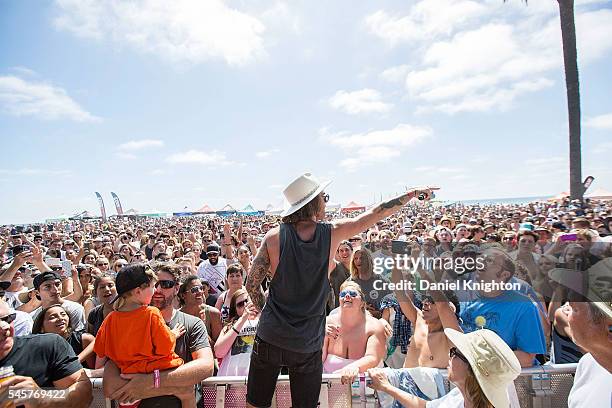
545, 386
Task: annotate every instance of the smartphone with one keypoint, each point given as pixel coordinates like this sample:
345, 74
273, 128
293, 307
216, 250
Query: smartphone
400, 247
53, 262
568, 237
67, 269
17, 249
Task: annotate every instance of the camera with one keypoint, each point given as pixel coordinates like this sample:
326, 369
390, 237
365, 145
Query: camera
400, 247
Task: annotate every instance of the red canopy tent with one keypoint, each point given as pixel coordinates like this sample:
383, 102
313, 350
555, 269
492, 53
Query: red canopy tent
205, 210
353, 206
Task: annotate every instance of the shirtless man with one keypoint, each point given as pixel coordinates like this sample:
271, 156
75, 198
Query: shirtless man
429, 346
359, 340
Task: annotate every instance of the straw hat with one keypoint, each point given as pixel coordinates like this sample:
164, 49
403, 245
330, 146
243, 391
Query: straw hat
595, 284
301, 191
493, 362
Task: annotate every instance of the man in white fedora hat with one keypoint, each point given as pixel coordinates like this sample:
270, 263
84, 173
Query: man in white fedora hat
298, 256
590, 321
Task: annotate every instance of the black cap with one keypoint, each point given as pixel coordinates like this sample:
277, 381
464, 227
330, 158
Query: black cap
130, 277
559, 225
4, 285
213, 248
44, 277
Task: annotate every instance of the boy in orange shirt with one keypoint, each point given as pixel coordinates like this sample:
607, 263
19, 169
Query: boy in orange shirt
135, 335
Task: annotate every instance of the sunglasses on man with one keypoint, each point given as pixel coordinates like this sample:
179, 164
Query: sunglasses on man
9, 318
165, 284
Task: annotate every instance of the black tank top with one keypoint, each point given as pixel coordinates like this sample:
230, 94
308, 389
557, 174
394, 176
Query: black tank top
294, 315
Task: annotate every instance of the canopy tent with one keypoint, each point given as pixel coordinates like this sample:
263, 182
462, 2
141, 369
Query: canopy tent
600, 194
85, 215
226, 211
272, 210
353, 206
206, 209
249, 210
59, 218
131, 211
185, 212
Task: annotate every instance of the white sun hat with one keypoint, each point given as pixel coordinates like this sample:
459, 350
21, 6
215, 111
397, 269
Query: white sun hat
301, 191
494, 364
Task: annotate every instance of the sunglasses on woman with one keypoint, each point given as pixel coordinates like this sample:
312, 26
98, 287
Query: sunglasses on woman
165, 284
197, 289
351, 293
455, 353
241, 303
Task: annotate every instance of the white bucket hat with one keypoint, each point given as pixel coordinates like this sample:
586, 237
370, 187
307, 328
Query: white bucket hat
301, 191
494, 364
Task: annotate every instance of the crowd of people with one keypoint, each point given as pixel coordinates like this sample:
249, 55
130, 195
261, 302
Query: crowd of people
156, 305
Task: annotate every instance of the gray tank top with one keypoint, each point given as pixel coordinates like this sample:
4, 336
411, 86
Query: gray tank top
294, 315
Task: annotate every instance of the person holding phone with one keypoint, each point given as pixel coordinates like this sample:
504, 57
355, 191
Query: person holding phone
298, 257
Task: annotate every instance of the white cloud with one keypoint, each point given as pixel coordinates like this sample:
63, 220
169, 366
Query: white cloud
211, 158
427, 19
157, 172
19, 97
23, 71
140, 144
362, 101
375, 146
600, 122
467, 56
189, 31
266, 153
395, 74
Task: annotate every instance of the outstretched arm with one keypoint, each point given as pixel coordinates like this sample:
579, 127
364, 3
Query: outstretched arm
259, 270
346, 228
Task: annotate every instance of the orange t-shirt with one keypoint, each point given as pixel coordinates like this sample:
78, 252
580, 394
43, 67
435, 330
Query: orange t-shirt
138, 341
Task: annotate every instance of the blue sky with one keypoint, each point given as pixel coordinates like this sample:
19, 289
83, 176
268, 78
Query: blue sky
174, 104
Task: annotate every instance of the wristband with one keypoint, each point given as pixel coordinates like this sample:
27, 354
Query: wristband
234, 329
156, 382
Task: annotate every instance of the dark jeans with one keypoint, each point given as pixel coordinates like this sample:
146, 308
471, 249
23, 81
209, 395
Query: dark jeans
305, 371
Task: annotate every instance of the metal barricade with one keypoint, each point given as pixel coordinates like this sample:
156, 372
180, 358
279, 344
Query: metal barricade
545, 386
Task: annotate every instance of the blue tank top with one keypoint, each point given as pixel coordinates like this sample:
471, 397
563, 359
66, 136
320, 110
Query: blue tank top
294, 315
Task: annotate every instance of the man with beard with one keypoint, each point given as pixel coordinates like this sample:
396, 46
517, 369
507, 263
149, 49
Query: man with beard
192, 346
213, 271
341, 271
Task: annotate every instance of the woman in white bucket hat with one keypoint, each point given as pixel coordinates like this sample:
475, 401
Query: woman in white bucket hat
481, 365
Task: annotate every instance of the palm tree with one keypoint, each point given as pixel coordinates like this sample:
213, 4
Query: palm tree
572, 87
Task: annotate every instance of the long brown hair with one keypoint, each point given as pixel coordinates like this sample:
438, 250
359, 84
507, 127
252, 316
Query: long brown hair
233, 313
367, 263
474, 392
313, 208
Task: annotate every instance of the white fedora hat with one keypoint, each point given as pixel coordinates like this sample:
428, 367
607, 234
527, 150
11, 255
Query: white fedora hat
494, 364
301, 191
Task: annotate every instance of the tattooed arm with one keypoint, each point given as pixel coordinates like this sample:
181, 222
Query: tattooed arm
260, 268
346, 228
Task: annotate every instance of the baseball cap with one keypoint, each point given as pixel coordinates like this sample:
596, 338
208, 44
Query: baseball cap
130, 277
44, 277
213, 248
